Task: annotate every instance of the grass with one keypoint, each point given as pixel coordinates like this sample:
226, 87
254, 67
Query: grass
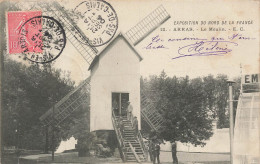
13, 159
218, 162
72, 157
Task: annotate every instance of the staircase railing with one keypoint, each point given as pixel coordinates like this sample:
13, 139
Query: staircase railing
119, 136
139, 135
133, 150
140, 138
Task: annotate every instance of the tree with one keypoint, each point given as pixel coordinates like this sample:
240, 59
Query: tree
77, 125
187, 118
28, 92
181, 103
26, 96
221, 101
210, 93
188, 106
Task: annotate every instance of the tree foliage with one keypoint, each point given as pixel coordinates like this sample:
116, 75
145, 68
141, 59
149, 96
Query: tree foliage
28, 92
189, 106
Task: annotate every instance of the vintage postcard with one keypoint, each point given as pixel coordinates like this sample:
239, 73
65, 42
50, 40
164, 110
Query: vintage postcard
108, 81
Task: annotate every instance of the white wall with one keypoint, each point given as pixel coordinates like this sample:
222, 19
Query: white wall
246, 132
67, 145
118, 70
218, 143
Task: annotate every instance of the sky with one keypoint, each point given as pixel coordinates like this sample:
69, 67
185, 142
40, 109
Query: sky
244, 52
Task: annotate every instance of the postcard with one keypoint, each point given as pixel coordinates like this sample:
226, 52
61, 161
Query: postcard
154, 81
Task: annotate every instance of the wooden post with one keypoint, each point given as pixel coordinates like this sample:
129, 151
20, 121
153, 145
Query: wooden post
133, 150
46, 140
231, 119
120, 105
52, 143
3, 7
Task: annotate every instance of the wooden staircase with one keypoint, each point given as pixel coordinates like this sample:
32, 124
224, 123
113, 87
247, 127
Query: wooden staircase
130, 142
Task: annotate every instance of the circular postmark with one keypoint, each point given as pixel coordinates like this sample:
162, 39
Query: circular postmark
42, 39
99, 20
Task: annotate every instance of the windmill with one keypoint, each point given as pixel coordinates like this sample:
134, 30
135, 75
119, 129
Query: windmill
75, 98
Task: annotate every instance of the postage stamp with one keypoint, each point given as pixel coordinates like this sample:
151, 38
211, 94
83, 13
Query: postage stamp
50, 38
40, 38
99, 20
15, 20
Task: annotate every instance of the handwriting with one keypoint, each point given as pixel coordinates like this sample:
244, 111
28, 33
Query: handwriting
157, 43
184, 39
240, 37
205, 48
156, 39
152, 46
216, 39
217, 46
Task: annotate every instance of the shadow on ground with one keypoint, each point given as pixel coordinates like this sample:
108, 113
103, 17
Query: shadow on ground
72, 157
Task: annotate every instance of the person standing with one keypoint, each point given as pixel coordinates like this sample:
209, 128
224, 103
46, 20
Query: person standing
174, 153
135, 125
129, 110
121, 126
156, 153
150, 150
146, 144
115, 107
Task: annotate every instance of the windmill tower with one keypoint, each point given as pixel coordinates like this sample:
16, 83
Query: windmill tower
115, 81
119, 64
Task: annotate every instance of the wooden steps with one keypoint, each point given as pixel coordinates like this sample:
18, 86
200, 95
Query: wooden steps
130, 140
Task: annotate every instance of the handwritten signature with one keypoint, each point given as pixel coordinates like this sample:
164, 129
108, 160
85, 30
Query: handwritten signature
202, 47
205, 48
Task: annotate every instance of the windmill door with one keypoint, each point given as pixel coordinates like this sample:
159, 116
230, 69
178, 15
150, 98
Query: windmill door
119, 103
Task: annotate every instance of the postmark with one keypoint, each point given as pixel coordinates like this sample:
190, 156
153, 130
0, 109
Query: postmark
15, 20
99, 21
42, 34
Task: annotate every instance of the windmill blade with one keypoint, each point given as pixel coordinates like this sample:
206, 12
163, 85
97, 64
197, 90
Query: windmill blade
67, 105
147, 25
73, 33
79, 95
149, 113
135, 35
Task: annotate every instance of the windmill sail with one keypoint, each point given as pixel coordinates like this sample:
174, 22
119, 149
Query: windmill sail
67, 105
147, 25
73, 33
74, 99
149, 113
135, 35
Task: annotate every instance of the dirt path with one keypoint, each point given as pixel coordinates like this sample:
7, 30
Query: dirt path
184, 158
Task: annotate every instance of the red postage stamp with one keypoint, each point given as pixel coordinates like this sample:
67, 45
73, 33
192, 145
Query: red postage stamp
24, 37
